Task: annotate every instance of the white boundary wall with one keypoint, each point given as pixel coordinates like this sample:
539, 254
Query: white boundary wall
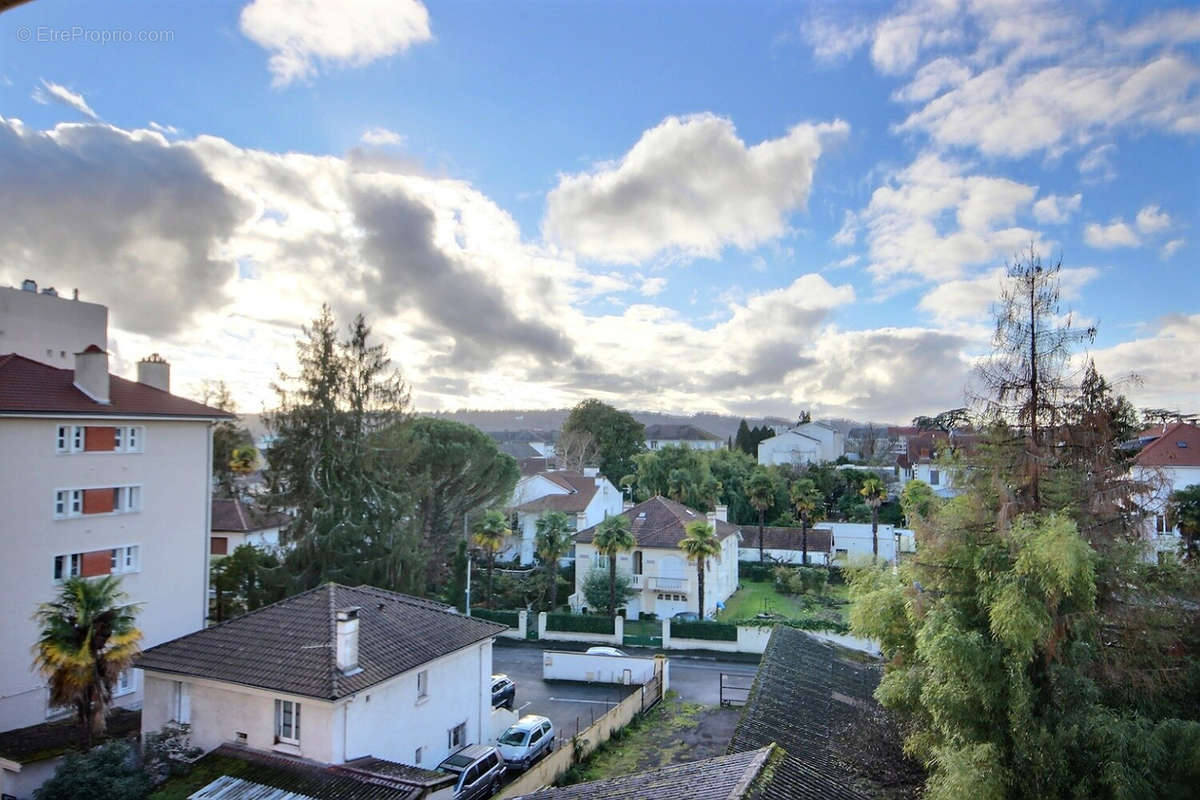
558, 665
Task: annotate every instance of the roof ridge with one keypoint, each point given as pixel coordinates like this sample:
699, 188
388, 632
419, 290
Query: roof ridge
333, 667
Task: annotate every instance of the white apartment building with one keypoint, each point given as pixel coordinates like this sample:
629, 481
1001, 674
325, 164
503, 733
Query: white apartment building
665, 581
49, 328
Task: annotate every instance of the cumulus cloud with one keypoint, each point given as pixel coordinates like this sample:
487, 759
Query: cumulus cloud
56, 93
1106, 237
970, 300
380, 137
1151, 220
1166, 379
932, 220
306, 35
652, 287
689, 186
1056, 209
137, 219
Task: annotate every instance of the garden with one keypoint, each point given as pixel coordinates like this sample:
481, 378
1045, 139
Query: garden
810, 597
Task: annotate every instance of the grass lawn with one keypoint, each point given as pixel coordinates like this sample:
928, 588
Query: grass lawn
673, 732
755, 597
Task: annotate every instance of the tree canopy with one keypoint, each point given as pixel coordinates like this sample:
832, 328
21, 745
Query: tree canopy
616, 436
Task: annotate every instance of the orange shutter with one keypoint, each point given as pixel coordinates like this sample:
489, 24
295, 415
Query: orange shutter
99, 438
97, 562
97, 501
218, 545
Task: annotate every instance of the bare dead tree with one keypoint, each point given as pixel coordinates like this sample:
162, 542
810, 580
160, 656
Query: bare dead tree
1027, 379
576, 449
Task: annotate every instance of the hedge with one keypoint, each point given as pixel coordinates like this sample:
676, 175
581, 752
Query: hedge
804, 624
757, 571
510, 618
714, 631
580, 623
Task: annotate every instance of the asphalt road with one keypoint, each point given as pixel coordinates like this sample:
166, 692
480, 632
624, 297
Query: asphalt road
696, 679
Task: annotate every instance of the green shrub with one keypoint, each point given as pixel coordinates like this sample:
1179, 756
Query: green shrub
804, 624
510, 618
755, 571
713, 631
580, 623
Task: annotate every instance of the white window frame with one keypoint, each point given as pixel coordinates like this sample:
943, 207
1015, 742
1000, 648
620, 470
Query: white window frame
461, 730
134, 437
293, 730
422, 685
601, 561
77, 438
126, 683
62, 439
71, 566
118, 439
126, 559
181, 702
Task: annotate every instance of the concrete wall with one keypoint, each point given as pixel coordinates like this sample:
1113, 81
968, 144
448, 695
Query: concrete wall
50, 329
171, 531
616, 638
560, 665
750, 639
22, 783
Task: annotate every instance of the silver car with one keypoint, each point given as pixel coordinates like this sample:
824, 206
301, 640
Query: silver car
525, 742
480, 771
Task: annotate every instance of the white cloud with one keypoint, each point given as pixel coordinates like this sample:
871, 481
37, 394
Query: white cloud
1171, 248
932, 79
848, 233
1097, 163
380, 137
49, 93
1151, 220
1167, 378
970, 300
166, 130
900, 39
833, 41
652, 287
1055, 209
1115, 234
909, 228
304, 35
689, 186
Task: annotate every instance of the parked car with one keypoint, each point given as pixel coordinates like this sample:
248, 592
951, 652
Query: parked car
605, 651
685, 616
480, 770
504, 691
525, 742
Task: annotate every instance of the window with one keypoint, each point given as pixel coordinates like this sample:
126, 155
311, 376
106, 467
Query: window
287, 722
115, 500
62, 440
423, 684
637, 562
218, 546
67, 566
1160, 523
457, 736
125, 559
98, 438
181, 703
417, 755
934, 477
117, 437
125, 684
601, 562
76, 438
133, 439
68, 502
132, 499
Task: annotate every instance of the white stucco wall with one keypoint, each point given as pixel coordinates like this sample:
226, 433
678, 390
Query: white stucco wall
50, 329
386, 721
855, 539
171, 531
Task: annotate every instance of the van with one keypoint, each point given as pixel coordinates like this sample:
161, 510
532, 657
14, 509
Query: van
479, 769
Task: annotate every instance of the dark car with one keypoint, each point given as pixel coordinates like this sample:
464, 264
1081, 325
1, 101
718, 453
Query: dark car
685, 616
480, 770
504, 691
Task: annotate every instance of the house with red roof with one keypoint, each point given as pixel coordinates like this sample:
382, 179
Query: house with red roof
1169, 461
586, 498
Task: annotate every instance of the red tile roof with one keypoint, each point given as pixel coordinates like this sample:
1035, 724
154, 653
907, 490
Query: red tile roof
30, 387
234, 515
659, 522
820, 540
1178, 446
580, 491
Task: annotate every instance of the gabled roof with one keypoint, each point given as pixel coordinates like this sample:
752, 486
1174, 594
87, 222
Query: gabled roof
1178, 446
659, 522
290, 646
580, 489
239, 517
730, 777
820, 540
794, 433
686, 433
30, 387
803, 698
518, 450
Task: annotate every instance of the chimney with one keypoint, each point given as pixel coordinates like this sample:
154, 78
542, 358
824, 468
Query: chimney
347, 639
722, 513
91, 373
580, 520
155, 371
591, 472
29, 285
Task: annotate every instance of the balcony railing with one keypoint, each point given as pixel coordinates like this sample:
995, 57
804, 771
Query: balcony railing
659, 584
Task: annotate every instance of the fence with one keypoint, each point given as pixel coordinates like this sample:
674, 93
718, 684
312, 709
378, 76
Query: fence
567, 755
581, 628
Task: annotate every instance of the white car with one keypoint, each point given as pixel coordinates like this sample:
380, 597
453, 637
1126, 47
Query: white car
525, 742
605, 651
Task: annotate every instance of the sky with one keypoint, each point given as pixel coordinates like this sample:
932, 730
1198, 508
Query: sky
751, 208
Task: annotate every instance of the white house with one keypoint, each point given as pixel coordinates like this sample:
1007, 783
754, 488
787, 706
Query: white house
98, 475
807, 443
587, 498
659, 436
1169, 462
330, 675
664, 580
853, 540
235, 523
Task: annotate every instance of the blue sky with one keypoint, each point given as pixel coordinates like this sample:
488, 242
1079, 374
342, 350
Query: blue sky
745, 207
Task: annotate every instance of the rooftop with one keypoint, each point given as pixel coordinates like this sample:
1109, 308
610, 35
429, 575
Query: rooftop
580, 489
685, 433
290, 646
30, 387
235, 515
659, 522
820, 540
1177, 446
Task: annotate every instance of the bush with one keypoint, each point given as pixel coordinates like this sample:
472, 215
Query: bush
801, 580
510, 618
108, 771
713, 631
755, 571
580, 623
595, 589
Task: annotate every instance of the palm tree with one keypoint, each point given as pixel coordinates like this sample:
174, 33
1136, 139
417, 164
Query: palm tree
490, 533
760, 491
874, 493
700, 544
88, 637
806, 499
552, 542
613, 536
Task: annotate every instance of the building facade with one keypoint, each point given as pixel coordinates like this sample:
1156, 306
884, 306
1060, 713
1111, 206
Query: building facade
808, 443
587, 498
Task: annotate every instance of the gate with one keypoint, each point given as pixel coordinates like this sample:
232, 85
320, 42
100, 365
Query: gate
735, 689
642, 633
652, 691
